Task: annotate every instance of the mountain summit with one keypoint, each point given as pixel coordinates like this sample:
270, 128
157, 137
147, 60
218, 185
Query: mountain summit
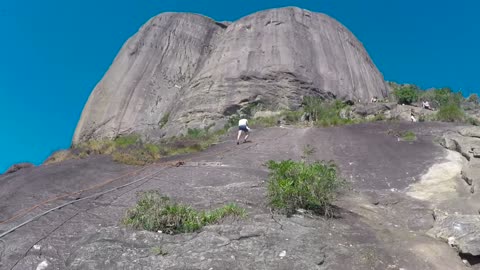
187, 71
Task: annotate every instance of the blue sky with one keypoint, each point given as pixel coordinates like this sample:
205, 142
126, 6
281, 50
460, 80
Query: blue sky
54, 52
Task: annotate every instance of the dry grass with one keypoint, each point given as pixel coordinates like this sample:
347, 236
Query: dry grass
59, 156
133, 150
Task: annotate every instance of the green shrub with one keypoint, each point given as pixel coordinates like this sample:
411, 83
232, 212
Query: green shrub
409, 136
293, 185
379, 117
98, 147
141, 155
154, 212
450, 112
473, 121
126, 141
196, 133
442, 96
406, 94
268, 121
292, 117
232, 122
325, 113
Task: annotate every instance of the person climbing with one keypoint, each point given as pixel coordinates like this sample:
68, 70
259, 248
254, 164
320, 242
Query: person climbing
426, 105
242, 127
412, 116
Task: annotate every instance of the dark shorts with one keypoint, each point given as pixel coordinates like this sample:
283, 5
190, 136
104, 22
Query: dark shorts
243, 128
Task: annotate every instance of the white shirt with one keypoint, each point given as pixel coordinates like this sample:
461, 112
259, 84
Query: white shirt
242, 122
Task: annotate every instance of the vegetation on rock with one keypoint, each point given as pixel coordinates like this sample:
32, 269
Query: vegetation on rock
296, 185
155, 212
132, 150
451, 113
406, 94
448, 104
409, 136
314, 110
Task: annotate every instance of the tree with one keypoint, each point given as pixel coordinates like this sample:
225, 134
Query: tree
406, 94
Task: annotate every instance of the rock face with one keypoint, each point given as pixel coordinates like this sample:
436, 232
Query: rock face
19, 166
461, 231
187, 71
466, 141
379, 226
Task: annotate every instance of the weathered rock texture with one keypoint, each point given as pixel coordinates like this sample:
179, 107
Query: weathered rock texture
466, 141
19, 166
184, 70
378, 227
461, 231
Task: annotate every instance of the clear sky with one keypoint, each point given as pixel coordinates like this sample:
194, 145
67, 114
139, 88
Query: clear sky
54, 52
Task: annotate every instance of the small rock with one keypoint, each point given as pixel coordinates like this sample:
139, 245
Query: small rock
451, 241
282, 254
37, 247
43, 265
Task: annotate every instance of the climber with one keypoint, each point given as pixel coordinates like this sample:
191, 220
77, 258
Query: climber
426, 105
412, 116
243, 127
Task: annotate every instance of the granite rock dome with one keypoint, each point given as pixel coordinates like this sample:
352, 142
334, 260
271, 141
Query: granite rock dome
187, 71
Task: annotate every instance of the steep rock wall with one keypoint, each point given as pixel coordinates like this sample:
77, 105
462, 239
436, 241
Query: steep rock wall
195, 72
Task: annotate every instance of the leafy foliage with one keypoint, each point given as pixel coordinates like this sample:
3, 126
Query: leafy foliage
325, 113
406, 94
132, 150
268, 121
451, 112
293, 185
154, 212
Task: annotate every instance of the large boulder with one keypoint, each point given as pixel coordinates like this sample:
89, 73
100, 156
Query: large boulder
365, 110
403, 112
468, 146
460, 231
472, 131
471, 174
466, 141
187, 71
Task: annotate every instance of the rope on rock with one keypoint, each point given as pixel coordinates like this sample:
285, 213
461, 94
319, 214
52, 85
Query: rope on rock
174, 163
78, 200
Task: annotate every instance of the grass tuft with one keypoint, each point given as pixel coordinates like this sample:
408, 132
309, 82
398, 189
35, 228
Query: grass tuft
451, 112
293, 185
154, 212
409, 136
